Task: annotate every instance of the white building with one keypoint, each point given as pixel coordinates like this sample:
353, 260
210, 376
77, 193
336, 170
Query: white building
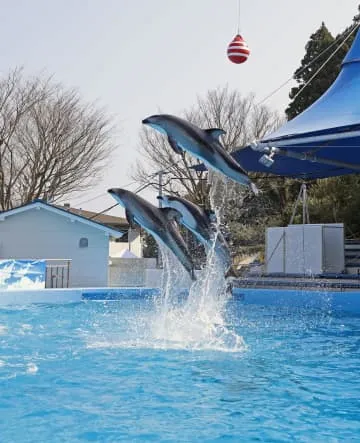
130, 241
39, 230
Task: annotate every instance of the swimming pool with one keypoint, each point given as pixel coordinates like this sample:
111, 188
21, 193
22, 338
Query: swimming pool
95, 371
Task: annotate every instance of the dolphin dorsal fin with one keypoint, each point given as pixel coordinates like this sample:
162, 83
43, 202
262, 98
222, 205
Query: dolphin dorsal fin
215, 133
171, 214
173, 143
130, 219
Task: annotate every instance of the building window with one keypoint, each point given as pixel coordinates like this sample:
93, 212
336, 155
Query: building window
83, 243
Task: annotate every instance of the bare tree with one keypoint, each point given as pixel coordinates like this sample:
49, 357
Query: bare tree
241, 118
51, 143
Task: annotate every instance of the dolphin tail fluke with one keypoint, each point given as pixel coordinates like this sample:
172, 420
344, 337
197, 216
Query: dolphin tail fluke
254, 189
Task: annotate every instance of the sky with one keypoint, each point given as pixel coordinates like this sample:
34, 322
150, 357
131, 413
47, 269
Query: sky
136, 57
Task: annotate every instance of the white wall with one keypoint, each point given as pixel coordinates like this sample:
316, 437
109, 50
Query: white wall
334, 247
305, 249
40, 234
134, 245
130, 271
140, 272
275, 250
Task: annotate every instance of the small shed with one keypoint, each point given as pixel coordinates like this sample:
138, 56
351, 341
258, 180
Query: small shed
39, 230
131, 239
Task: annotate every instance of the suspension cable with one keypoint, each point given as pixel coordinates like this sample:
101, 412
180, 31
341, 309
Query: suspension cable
139, 189
335, 42
325, 63
239, 17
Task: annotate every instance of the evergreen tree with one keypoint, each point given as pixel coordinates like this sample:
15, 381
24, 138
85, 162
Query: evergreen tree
318, 43
149, 245
337, 200
318, 49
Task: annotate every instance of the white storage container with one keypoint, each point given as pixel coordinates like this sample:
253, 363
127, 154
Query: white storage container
305, 249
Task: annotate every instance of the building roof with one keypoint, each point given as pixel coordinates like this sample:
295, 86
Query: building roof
100, 218
41, 204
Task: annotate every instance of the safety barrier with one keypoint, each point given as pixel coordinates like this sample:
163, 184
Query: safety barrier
57, 273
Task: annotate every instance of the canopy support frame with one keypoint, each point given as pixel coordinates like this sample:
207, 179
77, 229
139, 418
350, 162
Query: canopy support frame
303, 197
270, 152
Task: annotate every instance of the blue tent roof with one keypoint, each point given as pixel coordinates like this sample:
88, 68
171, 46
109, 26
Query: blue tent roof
322, 141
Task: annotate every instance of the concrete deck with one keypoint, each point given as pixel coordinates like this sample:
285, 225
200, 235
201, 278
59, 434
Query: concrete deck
345, 283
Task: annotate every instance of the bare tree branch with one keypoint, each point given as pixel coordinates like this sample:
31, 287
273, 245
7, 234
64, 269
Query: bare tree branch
51, 143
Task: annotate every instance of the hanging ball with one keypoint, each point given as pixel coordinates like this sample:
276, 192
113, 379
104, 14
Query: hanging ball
238, 51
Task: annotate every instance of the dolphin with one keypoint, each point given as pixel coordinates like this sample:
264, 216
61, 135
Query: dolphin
203, 144
158, 222
201, 223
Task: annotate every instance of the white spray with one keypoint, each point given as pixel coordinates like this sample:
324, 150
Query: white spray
199, 322
187, 320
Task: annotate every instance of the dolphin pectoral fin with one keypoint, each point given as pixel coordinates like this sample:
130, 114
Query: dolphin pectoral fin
193, 276
215, 133
130, 219
173, 143
171, 214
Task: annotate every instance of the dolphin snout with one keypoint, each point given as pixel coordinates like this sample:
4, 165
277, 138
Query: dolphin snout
152, 119
116, 191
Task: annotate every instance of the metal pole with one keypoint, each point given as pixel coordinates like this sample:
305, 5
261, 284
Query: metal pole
307, 210
303, 187
295, 206
68, 274
160, 187
160, 174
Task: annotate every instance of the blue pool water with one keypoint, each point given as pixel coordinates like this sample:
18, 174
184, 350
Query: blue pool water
97, 371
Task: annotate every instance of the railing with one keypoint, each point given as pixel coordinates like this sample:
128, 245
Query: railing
57, 273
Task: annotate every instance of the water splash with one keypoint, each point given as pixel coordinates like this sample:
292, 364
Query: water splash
199, 322
194, 319
31, 368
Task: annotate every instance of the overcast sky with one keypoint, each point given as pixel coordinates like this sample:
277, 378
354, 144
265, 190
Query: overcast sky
136, 56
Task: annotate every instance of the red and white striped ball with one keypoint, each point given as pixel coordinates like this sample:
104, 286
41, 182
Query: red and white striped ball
238, 51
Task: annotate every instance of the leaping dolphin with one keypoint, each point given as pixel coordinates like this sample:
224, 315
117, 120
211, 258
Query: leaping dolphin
203, 144
201, 224
159, 222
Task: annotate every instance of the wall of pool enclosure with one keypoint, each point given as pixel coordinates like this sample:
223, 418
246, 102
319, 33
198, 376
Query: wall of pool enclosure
285, 298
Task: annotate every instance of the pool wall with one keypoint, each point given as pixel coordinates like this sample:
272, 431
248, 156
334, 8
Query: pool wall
23, 297
312, 299
325, 300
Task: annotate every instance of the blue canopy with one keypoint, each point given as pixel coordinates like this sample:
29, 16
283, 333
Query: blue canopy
323, 141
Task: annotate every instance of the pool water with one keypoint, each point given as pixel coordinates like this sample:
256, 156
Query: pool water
91, 372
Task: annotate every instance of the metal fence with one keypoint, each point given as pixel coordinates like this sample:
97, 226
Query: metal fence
57, 273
